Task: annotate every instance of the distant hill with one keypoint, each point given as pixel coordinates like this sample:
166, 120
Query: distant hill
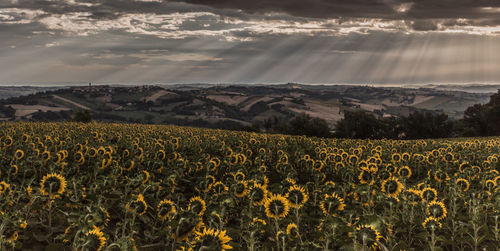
228, 106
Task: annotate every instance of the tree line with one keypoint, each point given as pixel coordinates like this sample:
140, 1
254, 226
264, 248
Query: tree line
478, 120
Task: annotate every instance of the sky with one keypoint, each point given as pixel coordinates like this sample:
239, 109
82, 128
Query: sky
243, 41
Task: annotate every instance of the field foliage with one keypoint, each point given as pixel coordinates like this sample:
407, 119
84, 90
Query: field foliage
102, 186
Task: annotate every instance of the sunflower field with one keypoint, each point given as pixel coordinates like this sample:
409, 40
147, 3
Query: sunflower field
96, 186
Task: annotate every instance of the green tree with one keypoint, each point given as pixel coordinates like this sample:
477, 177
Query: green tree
420, 125
83, 116
359, 125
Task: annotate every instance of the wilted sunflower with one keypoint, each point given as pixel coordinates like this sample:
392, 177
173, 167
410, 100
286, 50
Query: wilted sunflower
297, 196
332, 204
276, 206
197, 205
212, 239
96, 239
463, 184
431, 223
165, 209
429, 194
258, 194
53, 185
368, 235
437, 210
392, 187
292, 231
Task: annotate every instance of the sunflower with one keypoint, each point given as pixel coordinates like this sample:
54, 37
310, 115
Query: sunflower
53, 185
239, 176
368, 235
437, 210
440, 176
429, 194
96, 239
19, 154
413, 196
405, 172
138, 206
258, 221
258, 194
146, 176
463, 184
4, 187
297, 196
392, 187
406, 157
46, 155
448, 157
212, 239
366, 177
490, 184
165, 209
332, 204
219, 188
384, 175
276, 206
431, 223
197, 205
240, 189
396, 157
292, 231
8, 141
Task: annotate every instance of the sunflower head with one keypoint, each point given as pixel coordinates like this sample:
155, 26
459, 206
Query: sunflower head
166, 208
53, 185
258, 194
413, 196
240, 189
212, 239
431, 223
463, 184
297, 196
332, 204
219, 188
197, 205
405, 172
437, 210
429, 194
277, 206
139, 205
366, 177
392, 187
292, 231
4, 187
95, 239
368, 236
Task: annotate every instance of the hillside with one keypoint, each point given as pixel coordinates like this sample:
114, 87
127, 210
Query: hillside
230, 106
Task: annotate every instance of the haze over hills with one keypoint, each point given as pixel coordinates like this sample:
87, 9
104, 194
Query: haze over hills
227, 106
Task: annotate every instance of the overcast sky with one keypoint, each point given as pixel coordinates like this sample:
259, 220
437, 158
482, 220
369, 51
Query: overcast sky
243, 41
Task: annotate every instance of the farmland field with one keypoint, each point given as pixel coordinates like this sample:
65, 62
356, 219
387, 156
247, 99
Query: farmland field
142, 187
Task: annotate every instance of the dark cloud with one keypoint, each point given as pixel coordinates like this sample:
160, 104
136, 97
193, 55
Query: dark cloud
385, 9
